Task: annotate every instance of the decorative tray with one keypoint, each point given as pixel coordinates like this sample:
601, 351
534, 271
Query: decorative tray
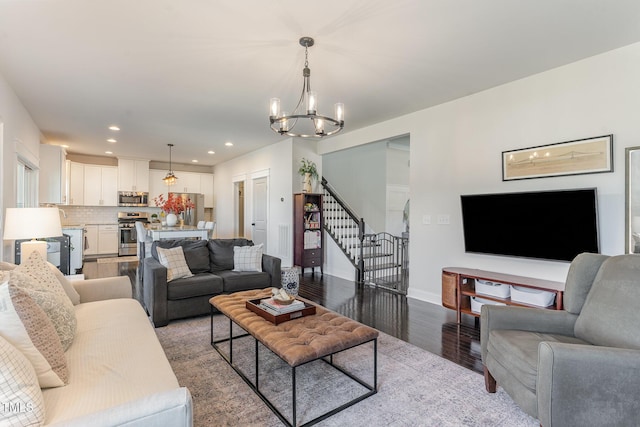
254, 305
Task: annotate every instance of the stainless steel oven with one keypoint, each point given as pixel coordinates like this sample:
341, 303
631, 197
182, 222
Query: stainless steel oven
132, 198
128, 237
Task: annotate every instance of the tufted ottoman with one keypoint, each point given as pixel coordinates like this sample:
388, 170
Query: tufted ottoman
296, 342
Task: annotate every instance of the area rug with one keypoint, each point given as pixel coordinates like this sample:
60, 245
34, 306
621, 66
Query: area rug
131, 258
415, 387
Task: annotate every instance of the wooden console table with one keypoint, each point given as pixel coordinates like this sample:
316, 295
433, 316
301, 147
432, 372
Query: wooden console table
458, 287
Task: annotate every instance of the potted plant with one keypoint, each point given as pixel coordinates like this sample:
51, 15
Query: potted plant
308, 171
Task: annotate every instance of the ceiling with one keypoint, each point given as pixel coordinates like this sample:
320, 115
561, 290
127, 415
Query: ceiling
199, 73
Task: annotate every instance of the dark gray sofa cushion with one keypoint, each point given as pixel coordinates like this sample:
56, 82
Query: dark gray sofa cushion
235, 281
194, 286
195, 252
221, 253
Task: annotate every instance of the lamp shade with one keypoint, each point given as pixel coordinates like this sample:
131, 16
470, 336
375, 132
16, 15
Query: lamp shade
31, 223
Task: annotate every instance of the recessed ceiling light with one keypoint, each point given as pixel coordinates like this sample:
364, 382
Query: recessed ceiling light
108, 152
111, 140
211, 152
114, 127
64, 146
194, 161
229, 144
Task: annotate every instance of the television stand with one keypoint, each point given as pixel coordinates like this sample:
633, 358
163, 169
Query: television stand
459, 287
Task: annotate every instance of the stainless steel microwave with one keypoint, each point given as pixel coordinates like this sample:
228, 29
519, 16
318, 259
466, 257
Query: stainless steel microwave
132, 198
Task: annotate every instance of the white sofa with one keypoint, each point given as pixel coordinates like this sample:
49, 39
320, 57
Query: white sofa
118, 372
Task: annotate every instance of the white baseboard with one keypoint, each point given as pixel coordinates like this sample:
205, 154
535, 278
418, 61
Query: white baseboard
425, 296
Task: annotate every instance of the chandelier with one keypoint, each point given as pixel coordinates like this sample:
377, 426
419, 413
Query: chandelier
311, 124
170, 179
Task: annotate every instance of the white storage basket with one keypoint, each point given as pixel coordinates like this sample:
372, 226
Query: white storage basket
532, 296
493, 289
477, 303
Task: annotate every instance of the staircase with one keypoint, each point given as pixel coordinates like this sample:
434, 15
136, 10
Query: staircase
380, 259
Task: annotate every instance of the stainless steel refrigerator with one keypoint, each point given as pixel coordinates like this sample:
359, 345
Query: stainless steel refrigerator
193, 215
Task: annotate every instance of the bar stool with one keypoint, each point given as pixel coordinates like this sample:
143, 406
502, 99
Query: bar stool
210, 225
144, 246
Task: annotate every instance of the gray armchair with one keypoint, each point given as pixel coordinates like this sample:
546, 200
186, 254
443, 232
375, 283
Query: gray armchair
578, 366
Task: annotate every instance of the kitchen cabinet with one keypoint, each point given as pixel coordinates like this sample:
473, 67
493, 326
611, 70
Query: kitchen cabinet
133, 175
206, 188
107, 239
100, 185
75, 181
188, 182
52, 175
91, 239
101, 240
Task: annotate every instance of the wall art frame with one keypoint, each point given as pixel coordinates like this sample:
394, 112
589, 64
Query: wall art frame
580, 156
632, 200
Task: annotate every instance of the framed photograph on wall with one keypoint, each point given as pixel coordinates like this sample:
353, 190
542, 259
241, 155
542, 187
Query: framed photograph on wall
590, 155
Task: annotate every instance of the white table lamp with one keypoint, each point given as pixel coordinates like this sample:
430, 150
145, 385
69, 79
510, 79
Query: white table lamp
32, 223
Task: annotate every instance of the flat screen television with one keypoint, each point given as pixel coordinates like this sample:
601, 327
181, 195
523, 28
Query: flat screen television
551, 225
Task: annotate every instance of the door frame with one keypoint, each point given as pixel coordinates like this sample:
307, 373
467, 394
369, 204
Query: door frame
238, 204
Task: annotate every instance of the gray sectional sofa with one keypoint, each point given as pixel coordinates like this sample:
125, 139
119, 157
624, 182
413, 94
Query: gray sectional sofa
211, 262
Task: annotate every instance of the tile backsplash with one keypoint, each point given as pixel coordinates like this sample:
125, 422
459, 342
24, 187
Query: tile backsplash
96, 214
105, 214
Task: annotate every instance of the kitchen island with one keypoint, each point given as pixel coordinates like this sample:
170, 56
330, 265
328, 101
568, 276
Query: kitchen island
159, 232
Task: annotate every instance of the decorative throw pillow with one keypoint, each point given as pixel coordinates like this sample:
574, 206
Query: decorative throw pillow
71, 292
175, 262
57, 306
20, 394
38, 269
6, 266
247, 258
26, 326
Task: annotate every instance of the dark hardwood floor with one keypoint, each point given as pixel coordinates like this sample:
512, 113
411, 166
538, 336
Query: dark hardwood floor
428, 326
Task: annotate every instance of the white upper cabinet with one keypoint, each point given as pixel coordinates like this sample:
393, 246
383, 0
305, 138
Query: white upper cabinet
133, 175
52, 175
206, 188
100, 185
75, 181
188, 182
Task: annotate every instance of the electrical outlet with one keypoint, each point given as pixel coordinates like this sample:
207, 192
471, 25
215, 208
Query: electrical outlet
444, 219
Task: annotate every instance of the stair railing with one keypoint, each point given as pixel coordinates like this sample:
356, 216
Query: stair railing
344, 227
380, 259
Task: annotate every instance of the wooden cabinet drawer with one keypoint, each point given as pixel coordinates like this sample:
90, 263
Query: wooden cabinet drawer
312, 257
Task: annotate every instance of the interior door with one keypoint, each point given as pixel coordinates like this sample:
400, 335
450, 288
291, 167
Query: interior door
260, 205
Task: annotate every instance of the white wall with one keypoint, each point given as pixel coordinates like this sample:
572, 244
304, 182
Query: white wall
359, 176
19, 133
276, 160
307, 149
456, 149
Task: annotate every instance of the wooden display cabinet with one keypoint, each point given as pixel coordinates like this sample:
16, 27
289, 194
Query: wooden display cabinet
308, 237
458, 287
